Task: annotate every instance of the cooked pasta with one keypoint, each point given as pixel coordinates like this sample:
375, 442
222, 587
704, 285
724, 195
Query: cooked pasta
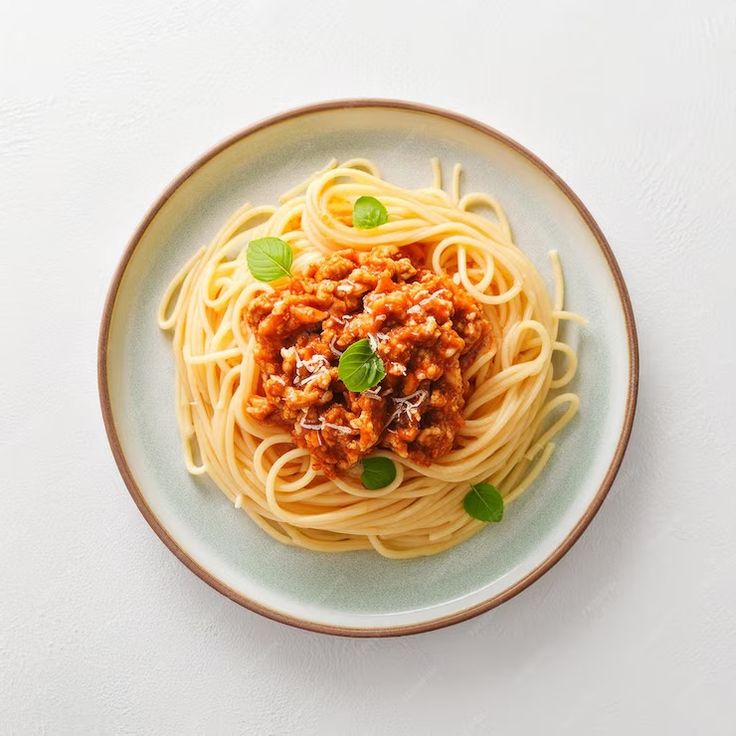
469, 396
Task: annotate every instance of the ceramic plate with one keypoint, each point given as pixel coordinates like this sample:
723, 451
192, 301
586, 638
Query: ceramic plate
361, 593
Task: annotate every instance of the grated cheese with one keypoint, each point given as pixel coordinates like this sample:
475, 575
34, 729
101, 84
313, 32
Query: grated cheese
376, 340
338, 427
322, 424
406, 405
307, 425
316, 366
417, 308
335, 351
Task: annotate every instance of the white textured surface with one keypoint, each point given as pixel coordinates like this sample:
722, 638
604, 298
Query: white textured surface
103, 631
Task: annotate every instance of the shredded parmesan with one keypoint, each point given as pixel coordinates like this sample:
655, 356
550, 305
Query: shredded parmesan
435, 295
420, 395
312, 364
316, 366
417, 308
335, 351
306, 425
337, 427
376, 340
313, 377
407, 404
322, 424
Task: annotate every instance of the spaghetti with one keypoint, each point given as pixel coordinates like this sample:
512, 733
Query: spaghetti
513, 406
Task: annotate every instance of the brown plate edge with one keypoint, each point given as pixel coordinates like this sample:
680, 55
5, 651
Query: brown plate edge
437, 623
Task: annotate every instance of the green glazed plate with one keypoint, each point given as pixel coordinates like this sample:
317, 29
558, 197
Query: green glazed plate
361, 593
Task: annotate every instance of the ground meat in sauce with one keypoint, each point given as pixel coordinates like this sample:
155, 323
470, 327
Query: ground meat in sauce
425, 328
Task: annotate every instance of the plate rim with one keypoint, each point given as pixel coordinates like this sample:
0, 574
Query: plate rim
290, 619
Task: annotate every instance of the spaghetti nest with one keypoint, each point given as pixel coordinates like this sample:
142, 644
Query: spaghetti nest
233, 405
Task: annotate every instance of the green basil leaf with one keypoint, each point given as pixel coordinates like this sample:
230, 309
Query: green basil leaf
359, 367
368, 213
378, 472
269, 258
484, 502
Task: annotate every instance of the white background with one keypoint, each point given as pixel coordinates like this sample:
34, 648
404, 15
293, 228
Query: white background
103, 631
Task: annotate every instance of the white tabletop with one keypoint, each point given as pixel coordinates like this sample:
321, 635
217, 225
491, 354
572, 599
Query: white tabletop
102, 630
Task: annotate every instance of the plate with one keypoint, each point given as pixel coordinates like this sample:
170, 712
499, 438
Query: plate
361, 593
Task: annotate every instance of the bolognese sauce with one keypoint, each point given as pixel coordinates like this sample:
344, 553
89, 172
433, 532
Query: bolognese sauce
424, 327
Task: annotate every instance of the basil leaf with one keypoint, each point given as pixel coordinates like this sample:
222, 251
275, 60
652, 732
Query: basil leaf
359, 367
368, 213
378, 472
269, 258
484, 502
